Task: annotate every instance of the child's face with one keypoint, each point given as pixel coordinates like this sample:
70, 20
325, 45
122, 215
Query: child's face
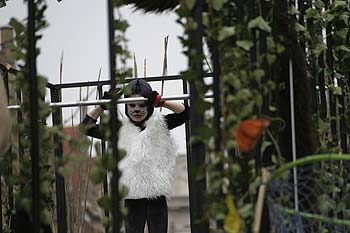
137, 111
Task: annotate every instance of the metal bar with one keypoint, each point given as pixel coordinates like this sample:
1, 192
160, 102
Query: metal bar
198, 148
6, 82
322, 86
188, 153
104, 101
20, 155
103, 151
342, 128
330, 65
1, 228
34, 116
58, 152
116, 215
127, 80
14, 72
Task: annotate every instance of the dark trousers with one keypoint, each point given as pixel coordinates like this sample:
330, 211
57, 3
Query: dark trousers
152, 211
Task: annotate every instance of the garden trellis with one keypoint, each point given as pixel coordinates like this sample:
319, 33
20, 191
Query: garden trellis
253, 46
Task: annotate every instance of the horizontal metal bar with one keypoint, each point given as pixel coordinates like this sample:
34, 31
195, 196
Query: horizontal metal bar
105, 82
104, 101
127, 80
14, 72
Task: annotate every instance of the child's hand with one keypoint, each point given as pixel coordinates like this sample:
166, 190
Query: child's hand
107, 95
154, 99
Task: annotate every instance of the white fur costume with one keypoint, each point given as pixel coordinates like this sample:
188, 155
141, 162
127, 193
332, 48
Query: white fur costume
148, 168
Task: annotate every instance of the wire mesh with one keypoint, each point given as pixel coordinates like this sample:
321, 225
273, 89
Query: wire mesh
323, 198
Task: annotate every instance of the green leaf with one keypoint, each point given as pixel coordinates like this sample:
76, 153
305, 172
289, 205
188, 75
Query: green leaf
329, 17
342, 33
121, 25
226, 32
299, 28
339, 4
105, 202
2, 3
189, 4
244, 44
319, 4
293, 10
259, 23
312, 13
258, 74
337, 90
205, 19
343, 48
65, 171
97, 175
271, 58
345, 18
218, 4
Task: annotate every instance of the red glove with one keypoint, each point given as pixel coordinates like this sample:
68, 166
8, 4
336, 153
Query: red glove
154, 99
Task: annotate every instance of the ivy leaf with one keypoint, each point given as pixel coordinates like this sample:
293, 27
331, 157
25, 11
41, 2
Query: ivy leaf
342, 33
342, 48
105, 202
258, 74
121, 25
226, 32
299, 28
329, 17
259, 23
189, 4
294, 11
2, 3
97, 175
18, 26
339, 4
312, 13
218, 4
319, 4
244, 44
271, 58
65, 171
232, 222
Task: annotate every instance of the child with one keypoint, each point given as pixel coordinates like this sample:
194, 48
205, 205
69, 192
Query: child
149, 166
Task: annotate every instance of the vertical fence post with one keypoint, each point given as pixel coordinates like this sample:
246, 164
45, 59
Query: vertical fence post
103, 152
58, 152
34, 125
188, 155
198, 149
7, 92
330, 66
116, 216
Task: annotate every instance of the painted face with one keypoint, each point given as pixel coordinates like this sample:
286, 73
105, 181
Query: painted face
137, 111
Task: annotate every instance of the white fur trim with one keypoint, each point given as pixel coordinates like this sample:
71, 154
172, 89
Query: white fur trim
149, 167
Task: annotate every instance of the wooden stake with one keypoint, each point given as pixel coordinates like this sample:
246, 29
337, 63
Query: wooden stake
260, 202
165, 65
61, 67
135, 67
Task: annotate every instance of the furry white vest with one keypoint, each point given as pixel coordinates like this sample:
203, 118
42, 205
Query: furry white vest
148, 168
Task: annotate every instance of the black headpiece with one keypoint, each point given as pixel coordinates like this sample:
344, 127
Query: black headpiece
141, 87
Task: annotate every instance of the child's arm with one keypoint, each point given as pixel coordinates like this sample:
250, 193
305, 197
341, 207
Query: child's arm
89, 125
174, 106
96, 112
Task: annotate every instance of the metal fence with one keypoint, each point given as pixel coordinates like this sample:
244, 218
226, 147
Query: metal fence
55, 93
